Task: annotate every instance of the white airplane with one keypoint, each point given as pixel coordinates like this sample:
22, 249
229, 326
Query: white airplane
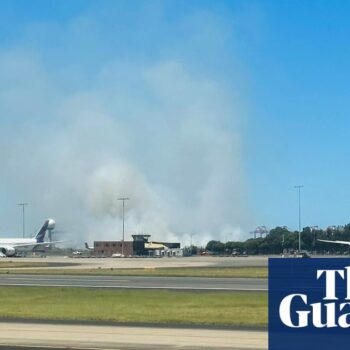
336, 242
10, 246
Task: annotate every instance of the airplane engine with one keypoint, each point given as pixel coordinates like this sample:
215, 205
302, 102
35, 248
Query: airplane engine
8, 251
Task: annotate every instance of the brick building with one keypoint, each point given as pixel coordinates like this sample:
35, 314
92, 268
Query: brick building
108, 248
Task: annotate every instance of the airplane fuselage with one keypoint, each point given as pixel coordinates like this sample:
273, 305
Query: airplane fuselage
28, 243
9, 246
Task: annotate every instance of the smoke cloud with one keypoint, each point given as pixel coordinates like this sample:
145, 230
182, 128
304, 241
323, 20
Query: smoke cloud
155, 131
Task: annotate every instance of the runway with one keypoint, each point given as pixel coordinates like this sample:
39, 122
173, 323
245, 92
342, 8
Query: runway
58, 336
137, 282
143, 263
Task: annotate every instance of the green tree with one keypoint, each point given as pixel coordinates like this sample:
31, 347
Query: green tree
215, 247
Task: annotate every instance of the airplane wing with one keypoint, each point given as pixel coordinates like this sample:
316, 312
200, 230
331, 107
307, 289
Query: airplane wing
336, 242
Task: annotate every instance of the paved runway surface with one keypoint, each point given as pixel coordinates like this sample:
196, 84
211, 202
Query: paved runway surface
107, 263
136, 282
57, 336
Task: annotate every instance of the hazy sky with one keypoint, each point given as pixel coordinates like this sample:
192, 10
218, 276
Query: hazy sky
205, 113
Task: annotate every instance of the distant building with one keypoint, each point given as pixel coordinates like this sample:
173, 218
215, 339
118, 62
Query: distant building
140, 246
108, 248
163, 249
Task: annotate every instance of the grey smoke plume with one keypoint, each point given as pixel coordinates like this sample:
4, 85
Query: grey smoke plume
156, 132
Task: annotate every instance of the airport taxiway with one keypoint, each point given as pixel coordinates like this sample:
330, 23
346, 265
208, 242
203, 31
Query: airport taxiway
136, 282
126, 263
55, 336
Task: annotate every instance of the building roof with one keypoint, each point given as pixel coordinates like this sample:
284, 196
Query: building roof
154, 246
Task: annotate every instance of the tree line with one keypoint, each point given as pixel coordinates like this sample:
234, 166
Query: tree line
281, 239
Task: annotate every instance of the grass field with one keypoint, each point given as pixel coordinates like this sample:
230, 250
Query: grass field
15, 264
35, 265
225, 272
125, 306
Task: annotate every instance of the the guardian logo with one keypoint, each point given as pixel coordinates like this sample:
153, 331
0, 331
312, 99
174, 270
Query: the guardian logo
330, 309
309, 304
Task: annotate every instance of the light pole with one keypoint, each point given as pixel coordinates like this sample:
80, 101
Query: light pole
23, 211
123, 199
191, 245
299, 187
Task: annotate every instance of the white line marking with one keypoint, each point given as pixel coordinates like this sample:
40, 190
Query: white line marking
132, 287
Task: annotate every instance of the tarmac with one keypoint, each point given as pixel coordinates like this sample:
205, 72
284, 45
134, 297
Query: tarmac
136, 282
144, 263
58, 336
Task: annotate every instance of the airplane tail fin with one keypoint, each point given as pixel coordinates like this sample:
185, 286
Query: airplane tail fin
87, 246
41, 234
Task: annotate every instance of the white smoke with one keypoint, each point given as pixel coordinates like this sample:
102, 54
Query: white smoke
156, 133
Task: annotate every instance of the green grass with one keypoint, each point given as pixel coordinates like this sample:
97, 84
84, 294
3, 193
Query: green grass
15, 264
225, 272
5, 265
135, 306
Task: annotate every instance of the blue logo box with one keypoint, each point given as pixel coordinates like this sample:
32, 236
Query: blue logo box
309, 304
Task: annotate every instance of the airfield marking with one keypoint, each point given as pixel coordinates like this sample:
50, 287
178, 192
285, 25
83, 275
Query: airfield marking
134, 287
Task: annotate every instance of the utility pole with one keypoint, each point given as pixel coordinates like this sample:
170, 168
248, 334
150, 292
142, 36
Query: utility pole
23, 211
123, 199
191, 245
299, 187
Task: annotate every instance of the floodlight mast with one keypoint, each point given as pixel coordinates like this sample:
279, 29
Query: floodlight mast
299, 187
23, 205
123, 199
